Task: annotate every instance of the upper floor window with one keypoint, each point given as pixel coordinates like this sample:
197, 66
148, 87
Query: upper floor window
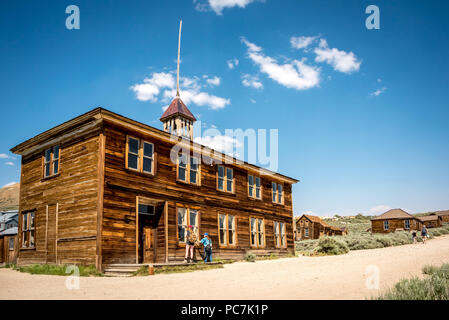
28, 229
139, 155
188, 169
277, 193
257, 231
254, 187
227, 230
225, 179
187, 217
51, 161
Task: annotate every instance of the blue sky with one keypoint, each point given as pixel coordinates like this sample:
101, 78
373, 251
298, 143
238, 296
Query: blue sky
362, 114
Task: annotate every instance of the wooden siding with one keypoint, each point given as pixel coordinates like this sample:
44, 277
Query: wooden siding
65, 205
377, 226
122, 186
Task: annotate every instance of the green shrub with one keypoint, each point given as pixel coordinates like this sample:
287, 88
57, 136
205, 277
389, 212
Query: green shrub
331, 246
59, 270
250, 257
434, 287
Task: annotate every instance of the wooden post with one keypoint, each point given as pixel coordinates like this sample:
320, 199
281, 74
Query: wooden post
100, 199
150, 270
56, 233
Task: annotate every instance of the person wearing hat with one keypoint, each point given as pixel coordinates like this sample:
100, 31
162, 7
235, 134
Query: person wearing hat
207, 243
191, 239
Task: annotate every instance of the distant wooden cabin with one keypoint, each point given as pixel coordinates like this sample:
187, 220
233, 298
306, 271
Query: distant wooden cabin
103, 189
394, 219
431, 221
444, 215
8, 236
313, 227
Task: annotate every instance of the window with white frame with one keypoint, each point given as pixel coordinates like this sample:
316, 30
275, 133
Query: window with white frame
28, 232
277, 193
227, 230
51, 161
257, 231
186, 217
386, 225
139, 155
407, 224
254, 187
225, 179
188, 169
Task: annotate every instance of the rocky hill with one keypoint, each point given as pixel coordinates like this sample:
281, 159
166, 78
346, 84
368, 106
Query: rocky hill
9, 197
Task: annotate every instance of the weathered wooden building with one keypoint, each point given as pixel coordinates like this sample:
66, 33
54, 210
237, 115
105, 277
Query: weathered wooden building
444, 215
103, 189
394, 219
431, 221
313, 227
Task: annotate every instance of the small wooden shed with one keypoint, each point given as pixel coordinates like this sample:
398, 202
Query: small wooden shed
431, 221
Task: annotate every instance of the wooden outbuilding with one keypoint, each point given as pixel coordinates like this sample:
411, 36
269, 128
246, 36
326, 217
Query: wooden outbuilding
393, 220
444, 215
104, 189
313, 227
8, 246
431, 221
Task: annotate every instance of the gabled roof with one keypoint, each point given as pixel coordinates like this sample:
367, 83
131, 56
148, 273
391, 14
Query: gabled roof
394, 214
313, 218
177, 107
7, 216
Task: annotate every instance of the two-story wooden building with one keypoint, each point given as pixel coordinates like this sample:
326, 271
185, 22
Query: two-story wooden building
103, 189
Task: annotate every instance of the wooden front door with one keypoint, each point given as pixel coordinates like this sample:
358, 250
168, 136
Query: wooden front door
146, 239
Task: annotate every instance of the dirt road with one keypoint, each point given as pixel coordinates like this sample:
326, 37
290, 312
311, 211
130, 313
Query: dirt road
331, 277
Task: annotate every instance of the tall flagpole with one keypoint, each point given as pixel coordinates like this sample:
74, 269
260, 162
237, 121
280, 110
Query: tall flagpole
179, 54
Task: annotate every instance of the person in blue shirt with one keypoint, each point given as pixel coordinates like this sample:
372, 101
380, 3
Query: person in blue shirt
207, 243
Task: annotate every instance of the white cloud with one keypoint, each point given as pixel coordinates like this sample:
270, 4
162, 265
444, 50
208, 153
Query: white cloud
162, 87
379, 80
9, 184
150, 88
301, 42
4, 156
378, 209
218, 5
378, 92
225, 144
9, 163
252, 100
296, 74
251, 81
215, 81
232, 63
340, 60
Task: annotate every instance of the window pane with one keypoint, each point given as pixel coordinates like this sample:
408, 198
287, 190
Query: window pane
56, 152
32, 238
220, 171
194, 163
280, 193
132, 161
193, 219
25, 239
231, 222
260, 225
257, 193
47, 155
229, 185
257, 182
231, 237
193, 177
55, 166
181, 173
221, 221
11, 243
25, 221
250, 180
148, 149
147, 165
253, 225
133, 145
229, 173
273, 188
182, 160
220, 184
146, 209
47, 169
181, 233
32, 220
181, 224
250, 191
222, 236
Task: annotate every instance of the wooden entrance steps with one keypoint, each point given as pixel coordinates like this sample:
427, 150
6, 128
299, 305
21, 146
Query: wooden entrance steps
129, 269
